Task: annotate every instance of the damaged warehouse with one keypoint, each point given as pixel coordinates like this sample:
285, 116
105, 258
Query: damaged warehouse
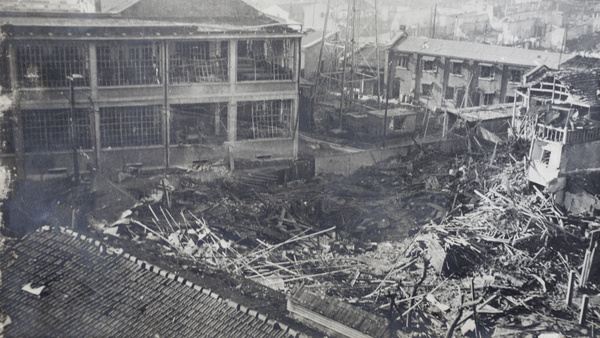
144, 90
165, 190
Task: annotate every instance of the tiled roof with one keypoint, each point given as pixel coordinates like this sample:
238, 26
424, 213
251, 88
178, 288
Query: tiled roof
87, 292
580, 75
341, 312
208, 11
480, 52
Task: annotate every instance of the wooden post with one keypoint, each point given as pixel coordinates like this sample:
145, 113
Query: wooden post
569, 299
583, 311
474, 307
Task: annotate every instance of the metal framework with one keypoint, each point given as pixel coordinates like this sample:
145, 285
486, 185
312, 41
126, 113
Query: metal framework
131, 126
357, 66
43, 65
265, 119
123, 64
265, 60
49, 130
198, 61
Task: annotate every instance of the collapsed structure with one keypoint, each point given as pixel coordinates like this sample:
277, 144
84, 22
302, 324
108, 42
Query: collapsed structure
145, 83
559, 114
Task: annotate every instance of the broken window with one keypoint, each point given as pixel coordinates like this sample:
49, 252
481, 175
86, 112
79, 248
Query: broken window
546, 157
130, 126
487, 72
198, 61
488, 99
456, 68
198, 123
43, 65
429, 65
265, 60
449, 93
403, 61
515, 75
128, 63
50, 130
426, 90
264, 119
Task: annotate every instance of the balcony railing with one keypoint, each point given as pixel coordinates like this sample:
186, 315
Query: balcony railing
567, 136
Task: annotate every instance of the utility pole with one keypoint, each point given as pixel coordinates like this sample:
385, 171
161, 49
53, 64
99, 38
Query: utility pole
72, 137
344, 66
314, 91
377, 58
387, 96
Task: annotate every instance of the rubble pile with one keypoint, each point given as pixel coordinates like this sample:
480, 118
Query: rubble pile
506, 252
440, 245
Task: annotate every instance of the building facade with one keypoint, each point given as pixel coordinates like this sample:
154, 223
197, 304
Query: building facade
153, 85
446, 74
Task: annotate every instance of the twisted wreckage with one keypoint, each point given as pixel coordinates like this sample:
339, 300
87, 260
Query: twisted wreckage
500, 240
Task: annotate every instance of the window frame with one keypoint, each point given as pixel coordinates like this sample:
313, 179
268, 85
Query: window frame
492, 72
402, 61
426, 62
426, 93
446, 92
453, 68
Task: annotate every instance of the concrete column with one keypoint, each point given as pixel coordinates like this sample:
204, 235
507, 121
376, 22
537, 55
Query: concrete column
166, 108
504, 83
232, 104
295, 117
95, 120
217, 119
18, 125
231, 122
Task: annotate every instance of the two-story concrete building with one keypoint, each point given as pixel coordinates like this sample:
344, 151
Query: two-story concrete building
454, 74
157, 83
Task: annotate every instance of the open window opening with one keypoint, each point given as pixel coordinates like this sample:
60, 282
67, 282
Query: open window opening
129, 63
47, 66
50, 129
264, 119
265, 60
198, 61
198, 123
131, 126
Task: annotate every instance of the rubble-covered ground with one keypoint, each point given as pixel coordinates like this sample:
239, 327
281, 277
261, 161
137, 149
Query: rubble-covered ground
426, 231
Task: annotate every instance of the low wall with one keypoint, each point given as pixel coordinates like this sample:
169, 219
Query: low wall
347, 164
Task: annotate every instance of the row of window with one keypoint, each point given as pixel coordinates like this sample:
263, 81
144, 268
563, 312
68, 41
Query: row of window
486, 71
52, 130
139, 63
458, 94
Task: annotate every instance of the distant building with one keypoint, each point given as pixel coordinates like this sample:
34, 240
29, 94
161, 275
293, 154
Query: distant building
151, 82
311, 48
453, 74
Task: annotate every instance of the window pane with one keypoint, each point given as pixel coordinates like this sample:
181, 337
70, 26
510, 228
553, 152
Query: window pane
41, 65
130, 126
264, 119
265, 60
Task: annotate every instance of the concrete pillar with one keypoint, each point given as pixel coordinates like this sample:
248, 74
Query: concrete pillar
95, 118
217, 119
18, 124
232, 104
166, 108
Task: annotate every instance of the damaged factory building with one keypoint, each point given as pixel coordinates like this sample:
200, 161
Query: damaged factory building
202, 168
559, 113
141, 83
